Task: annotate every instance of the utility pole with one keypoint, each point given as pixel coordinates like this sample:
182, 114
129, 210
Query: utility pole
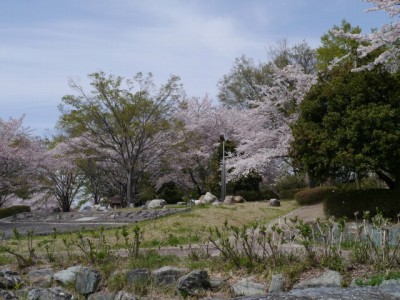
222, 138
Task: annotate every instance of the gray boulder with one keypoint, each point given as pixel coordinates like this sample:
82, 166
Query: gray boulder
55, 293
277, 283
217, 283
208, 198
102, 296
41, 277
247, 287
327, 279
122, 295
67, 276
198, 202
217, 203
87, 281
388, 292
228, 200
139, 275
87, 206
7, 295
156, 203
9, 279
194, 284
238, 199
169, 275
274, 202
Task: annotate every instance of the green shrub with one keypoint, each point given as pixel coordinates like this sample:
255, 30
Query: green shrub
345, 204
290, 182
289, 194
13, 210
257, 195
314, 195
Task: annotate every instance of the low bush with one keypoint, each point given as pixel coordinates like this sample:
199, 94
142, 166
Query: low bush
13, 210
345, 204
290, 182
289, 194
257, 195
314, 195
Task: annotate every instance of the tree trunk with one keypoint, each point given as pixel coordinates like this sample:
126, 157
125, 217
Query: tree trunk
393, 182
129, 187
309, 179
194, 181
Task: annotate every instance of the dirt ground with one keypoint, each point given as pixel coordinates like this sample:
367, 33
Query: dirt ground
308, 213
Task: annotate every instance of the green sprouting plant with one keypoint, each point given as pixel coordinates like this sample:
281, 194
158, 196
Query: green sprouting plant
95, 248
377, 279
220, 240
17, 237
302, 233
22, 260
50, 245
68, 242
134, 245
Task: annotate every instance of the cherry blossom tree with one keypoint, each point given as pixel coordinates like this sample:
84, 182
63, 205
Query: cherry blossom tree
263, 132
20, 157
197, 142
61, 175
384, 40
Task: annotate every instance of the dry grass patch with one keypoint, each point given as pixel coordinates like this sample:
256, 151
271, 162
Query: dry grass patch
173, 230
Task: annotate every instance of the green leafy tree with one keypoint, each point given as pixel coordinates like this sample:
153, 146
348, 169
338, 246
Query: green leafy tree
337, 47
126, 123
349, 125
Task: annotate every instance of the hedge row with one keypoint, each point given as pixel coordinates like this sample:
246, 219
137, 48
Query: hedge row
289, 194
314, 195
13, 210
345, 204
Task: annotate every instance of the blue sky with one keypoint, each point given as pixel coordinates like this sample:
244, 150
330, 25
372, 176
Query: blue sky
44, 43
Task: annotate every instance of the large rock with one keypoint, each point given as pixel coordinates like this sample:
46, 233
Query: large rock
87, 206
389, 292
156, 203
87, 281
198, 202
217, 203
102, 296
169, 275
277, 283
327, 279
55, 293
208, 198
228, 200
122, 295
7, 295
139, 275
274, 202
247, 287
194, 284
217, 284
9, 279
67, 276
41, 277
238, 199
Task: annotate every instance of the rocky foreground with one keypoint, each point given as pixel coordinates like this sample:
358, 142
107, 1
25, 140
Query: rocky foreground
44, 283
